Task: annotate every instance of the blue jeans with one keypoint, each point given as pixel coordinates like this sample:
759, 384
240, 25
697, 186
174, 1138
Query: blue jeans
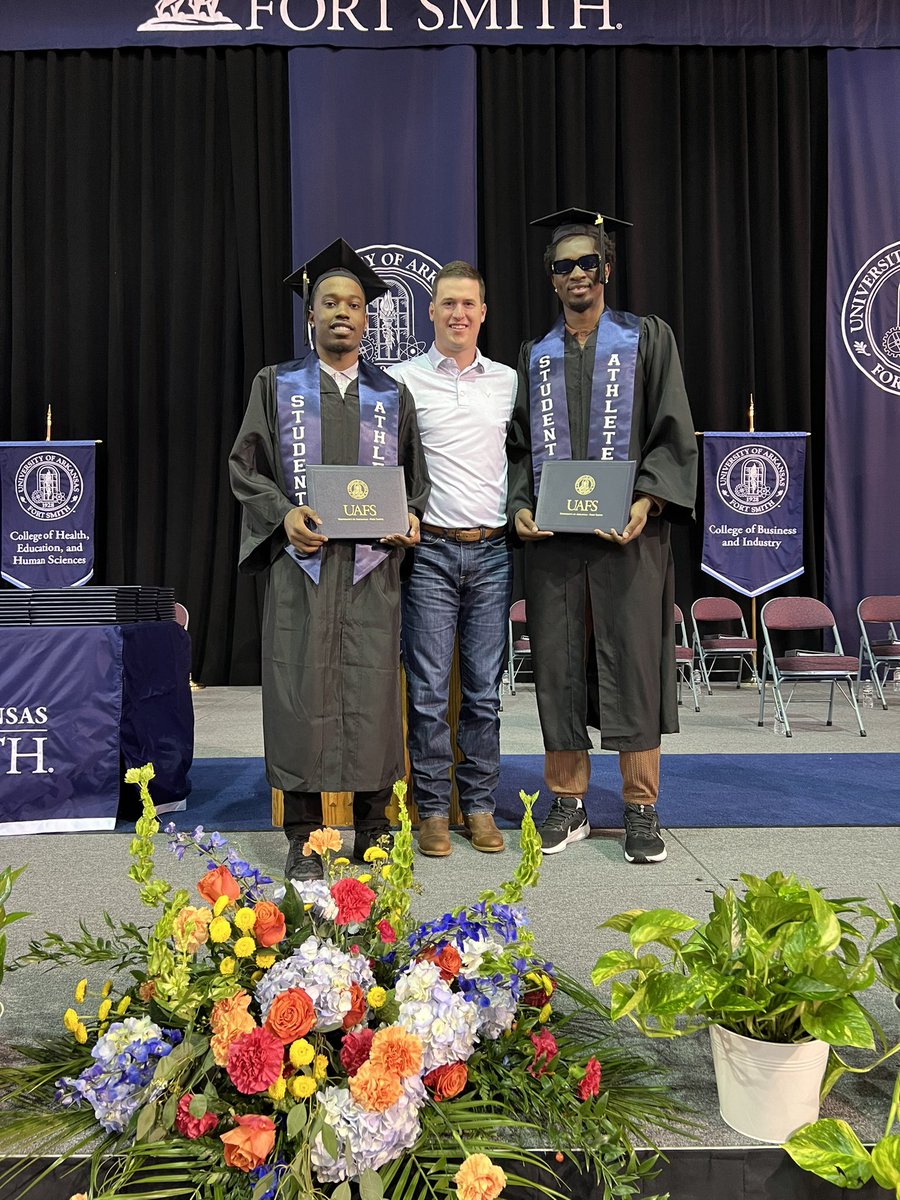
455, 587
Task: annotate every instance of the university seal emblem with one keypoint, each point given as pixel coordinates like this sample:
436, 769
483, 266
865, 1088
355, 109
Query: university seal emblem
48, 486
398, 321
870, 319
752, 479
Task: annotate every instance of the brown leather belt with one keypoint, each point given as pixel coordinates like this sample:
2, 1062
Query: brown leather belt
481, 534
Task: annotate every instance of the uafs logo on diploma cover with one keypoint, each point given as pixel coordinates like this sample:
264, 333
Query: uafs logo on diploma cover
870, 319
398, 321
48, 486
752, 479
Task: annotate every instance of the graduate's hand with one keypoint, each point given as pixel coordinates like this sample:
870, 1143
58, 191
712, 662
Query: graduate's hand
637, 519
412, 537
526, 528
301, 537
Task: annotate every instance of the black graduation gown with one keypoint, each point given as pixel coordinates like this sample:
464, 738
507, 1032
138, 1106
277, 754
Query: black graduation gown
623, 680
330, 653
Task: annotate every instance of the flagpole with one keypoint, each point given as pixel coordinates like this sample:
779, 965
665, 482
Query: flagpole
751, 418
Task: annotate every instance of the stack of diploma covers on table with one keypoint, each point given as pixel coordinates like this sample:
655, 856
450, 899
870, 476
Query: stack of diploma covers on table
581, 496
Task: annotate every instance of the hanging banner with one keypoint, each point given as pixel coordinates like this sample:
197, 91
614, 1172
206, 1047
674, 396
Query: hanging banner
862, 365
47, 513
60, 24
60, 703
417, 218
753, 509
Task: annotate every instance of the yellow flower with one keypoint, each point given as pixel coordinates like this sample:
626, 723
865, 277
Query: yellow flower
544, 1014
226, 966
375, 854
265, 959
256, 976
103, 1010
301, 1053
365, 878
219, 930
122, 1006
70, 1019
386, 871
278, 1088
244, 947
320, 1068
106, 989
245, 919
80, 1034
302, 1087
342, 862
307, 906
80, 991
376, 997
220, 905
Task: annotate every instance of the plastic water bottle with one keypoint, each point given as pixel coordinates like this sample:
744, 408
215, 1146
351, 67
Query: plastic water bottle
698, 677
895, 681
778, 725
867, 694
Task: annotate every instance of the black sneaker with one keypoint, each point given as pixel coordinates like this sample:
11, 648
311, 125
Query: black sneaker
301, 867
643, 843
566, 822
366, 838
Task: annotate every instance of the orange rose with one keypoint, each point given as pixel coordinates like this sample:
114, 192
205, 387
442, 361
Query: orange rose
229, 1019
448, 961
291, 1016
447, 1081
357, 1009
321, 840
479, 1179
269, 928
216, 883
396, 1051
374, 1089
249, 1144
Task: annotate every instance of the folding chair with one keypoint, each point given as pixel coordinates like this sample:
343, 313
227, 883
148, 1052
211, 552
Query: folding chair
883, 652
712, 645
833, 667
684, 660
518, 648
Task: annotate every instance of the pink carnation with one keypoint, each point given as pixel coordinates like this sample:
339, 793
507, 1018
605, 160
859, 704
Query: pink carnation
545, 1049
590, 1085
355, 1049
254, 1060
353, 899
193, 1127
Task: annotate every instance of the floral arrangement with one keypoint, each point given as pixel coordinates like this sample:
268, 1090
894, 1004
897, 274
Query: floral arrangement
310, 1039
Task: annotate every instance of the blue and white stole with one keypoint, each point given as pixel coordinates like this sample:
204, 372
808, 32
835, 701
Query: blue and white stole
612, 392
298, 402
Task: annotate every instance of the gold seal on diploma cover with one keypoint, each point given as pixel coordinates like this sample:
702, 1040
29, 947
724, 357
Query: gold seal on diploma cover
357, 490
585, 484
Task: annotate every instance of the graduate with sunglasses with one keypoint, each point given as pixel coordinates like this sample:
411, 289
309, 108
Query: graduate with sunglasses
600, 605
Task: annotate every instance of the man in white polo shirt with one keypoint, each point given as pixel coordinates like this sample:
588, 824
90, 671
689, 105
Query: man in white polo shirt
461, 574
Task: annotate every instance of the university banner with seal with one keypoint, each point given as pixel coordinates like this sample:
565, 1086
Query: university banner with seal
47, 513
753, 509
421, 211
862, 380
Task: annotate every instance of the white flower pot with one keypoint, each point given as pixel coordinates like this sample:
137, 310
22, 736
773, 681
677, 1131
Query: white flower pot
767, 1089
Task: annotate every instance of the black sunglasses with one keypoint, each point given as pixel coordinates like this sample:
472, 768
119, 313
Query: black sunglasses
565, 266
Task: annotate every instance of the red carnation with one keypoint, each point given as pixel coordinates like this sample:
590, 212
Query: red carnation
353, 899
590, 1085
254, 1060
545, 1049
386, 932
193, 1127
355, 1049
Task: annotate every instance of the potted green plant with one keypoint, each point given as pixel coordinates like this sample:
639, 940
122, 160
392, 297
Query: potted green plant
774, 973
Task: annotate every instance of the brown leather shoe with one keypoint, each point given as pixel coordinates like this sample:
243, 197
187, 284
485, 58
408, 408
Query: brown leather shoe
434, 837
484, 834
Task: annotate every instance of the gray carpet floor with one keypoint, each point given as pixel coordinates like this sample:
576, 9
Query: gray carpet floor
84, 875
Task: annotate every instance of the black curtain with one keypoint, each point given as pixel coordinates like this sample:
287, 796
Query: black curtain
145, 221
718, 157
145, 218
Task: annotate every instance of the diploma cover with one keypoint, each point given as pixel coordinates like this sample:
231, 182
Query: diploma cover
362, 503
581, 496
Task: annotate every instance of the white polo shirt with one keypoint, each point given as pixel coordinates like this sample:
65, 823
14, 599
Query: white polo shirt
463, 417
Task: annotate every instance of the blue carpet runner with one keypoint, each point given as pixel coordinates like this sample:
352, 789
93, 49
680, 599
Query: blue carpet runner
698, 791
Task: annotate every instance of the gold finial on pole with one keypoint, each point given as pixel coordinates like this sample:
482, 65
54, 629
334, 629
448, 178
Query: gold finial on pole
751, 414
49, 423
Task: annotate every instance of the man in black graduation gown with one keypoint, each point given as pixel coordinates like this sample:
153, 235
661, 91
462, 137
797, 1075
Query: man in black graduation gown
331, 626
599, 606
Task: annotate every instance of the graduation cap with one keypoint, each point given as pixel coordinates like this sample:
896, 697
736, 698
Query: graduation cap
337, 259
572, 222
